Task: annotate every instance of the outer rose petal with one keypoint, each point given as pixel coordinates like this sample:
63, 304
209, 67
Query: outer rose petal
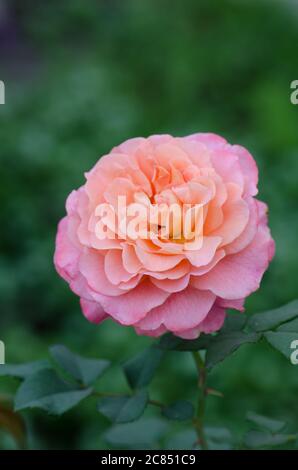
237, 304
212, 141
93, 311
131, 307
172, 285
66, 254
153, 333
114, 268
237, 276
92, 268
182, 311
249, 168
213, 322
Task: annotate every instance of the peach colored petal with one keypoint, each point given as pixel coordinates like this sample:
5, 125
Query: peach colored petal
131, 307
236, 276
235, 217
114, 269
156, 262
199, 271
172, 285
214, 219
205, 254
249, 168
212, 141
120, 187
130, 146
131, 262
227, 165
193, 193
168, 155
92, 268
175, 273
197, 151
246, 237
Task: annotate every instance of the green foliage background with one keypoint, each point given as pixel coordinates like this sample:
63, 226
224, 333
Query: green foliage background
80, 78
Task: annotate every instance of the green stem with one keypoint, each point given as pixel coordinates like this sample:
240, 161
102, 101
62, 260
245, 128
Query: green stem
199, 418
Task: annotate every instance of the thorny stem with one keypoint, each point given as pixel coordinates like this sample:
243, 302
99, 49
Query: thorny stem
199, 418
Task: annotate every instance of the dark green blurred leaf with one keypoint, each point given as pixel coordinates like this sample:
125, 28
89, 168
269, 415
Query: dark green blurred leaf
144, 433
282, 341
23, 370
218, 433
46, 390
291, 326
272, 318
183, 440
123, 409
234, 322
171, 342
218, 438
83, 369
140, 370
259, 439
225, 344
268, 424
180, 410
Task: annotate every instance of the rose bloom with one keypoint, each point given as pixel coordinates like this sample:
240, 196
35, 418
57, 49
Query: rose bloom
158, 285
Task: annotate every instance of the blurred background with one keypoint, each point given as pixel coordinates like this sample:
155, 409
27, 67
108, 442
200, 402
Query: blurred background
80, 78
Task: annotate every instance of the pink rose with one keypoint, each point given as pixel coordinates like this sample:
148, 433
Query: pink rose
158, 285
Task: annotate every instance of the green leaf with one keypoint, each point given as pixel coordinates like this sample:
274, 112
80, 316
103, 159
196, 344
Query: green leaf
171, 342
180, 410
268, 424
124, 409
83, 369
23, 370
219, 434
291, 326
259, 439
218, 438
282, 341
142, 434
140, 370
273, 318
225, 344
234, 322
183, 440
46, 390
